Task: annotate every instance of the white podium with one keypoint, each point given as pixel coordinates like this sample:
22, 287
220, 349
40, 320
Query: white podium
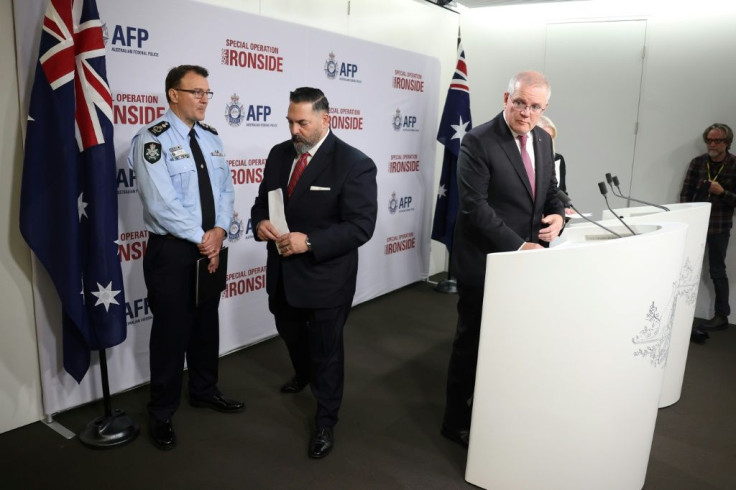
685, 293
571, 360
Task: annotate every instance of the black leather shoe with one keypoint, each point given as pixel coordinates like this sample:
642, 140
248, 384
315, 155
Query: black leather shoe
698, 336
718, 322
321, 443
218, 402
460, 436
293, 386
162, 433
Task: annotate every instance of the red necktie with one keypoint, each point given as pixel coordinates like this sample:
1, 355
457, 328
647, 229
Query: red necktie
298, 171
527, 163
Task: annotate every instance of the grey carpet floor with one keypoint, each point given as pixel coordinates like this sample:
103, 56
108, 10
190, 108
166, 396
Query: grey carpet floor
397, 349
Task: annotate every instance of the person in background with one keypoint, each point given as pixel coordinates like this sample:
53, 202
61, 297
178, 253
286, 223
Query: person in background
187, 193
712, 177
330, 203
508, 202
560, 168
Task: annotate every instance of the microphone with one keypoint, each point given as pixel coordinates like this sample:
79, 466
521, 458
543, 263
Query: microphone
604, 191
615, 182
609, 179
567, 202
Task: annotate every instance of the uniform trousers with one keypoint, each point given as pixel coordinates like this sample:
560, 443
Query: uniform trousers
179, 330
717, 247
314, 339
464, 358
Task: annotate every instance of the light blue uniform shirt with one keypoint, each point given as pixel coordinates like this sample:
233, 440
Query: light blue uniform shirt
167, 177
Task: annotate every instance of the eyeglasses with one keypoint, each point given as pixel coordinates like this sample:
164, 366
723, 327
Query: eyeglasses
714, 140
520, 106
198, 93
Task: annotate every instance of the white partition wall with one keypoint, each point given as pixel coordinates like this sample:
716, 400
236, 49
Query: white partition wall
696, 216
571, 360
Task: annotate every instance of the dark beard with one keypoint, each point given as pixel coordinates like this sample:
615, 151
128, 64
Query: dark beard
301, 145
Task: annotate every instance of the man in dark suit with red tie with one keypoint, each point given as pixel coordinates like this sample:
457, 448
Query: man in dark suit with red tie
507, 188
329, 192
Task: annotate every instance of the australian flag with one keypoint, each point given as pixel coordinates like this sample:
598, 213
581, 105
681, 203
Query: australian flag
68, 204
453, 126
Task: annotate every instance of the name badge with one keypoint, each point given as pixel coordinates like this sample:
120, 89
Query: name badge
178, 153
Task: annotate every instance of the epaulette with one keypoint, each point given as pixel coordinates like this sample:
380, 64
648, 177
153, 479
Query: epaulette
208, 127
159, 128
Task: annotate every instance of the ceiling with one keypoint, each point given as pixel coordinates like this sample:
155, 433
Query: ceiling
491, 3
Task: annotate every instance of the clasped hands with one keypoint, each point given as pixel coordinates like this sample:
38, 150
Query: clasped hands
211, 245
287, 244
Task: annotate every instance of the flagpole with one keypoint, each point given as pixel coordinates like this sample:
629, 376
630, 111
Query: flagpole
449, 285
113, 429
455, 122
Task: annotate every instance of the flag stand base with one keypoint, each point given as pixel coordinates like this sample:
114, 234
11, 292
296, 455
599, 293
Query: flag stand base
113, 429
108, 431
448, 286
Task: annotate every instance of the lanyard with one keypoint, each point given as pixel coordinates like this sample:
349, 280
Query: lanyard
707, 166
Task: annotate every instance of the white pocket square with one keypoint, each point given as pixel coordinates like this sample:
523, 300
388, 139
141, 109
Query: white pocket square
318, 188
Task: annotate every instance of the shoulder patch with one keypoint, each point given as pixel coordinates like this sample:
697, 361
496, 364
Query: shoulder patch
159, 128
152, 151
208, 128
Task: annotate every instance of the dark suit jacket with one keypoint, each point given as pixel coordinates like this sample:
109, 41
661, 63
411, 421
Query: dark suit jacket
496, 212
563, 172
337, 221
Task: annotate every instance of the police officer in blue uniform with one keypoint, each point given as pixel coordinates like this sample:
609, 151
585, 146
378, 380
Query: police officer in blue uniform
187, 193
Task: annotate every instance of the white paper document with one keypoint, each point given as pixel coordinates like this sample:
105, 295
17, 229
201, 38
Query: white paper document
276, 213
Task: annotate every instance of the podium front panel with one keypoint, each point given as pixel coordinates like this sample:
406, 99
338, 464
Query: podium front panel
696, 215
573, 345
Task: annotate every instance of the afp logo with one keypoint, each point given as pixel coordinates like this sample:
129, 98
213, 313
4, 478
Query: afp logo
344, 71
234, 113
126, 181
401, 204
137, 310
129, 36
404, 122
252, 114
248, 229
236, 230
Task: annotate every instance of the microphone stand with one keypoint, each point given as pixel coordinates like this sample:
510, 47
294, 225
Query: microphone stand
616, 183
566, 201
604, 191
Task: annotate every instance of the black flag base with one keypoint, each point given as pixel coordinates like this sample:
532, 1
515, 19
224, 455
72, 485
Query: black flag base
116, 429
448, 286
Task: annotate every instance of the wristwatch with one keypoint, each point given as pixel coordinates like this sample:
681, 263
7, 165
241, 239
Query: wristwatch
309, 244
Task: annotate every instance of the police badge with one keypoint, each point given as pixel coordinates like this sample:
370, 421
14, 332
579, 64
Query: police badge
331, 66
152, 152
392, 204
397, 120
236, 229
234, 114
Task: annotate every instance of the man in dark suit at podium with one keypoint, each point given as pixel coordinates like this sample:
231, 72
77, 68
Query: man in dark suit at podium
329, 189
507, 187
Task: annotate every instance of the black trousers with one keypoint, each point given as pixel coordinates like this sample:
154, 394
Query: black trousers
464, 358
179, 331
314, 339
717, 247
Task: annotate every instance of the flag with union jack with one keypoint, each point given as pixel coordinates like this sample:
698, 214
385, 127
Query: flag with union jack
68, 204
454, 124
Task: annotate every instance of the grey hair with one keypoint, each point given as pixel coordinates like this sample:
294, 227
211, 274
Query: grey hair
532, 78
